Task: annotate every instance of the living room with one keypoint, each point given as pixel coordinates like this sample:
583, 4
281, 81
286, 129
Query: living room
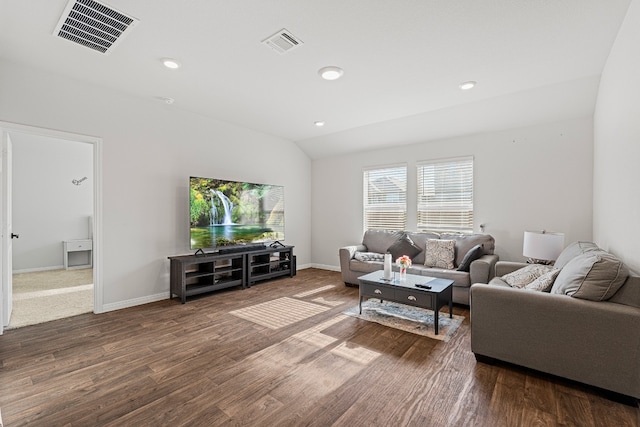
572, 172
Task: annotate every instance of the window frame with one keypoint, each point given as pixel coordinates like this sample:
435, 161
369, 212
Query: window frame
390, 215
449, 211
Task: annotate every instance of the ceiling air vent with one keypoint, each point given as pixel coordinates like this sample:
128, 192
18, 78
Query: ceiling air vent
94, 25
282, 41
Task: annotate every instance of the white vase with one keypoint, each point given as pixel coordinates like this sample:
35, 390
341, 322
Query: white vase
387, 266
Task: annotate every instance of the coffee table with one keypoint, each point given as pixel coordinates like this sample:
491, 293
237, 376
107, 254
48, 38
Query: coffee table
405, 291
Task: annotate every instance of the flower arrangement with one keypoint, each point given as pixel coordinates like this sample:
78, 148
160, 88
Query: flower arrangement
403, 262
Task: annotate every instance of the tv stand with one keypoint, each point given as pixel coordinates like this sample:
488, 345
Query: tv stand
202, 273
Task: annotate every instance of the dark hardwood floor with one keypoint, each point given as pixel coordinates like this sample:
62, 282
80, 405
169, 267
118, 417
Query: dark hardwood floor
198, 365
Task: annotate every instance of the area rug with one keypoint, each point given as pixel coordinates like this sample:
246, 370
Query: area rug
410, 319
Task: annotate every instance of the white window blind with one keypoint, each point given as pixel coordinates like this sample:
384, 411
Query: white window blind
445, 195
385, 198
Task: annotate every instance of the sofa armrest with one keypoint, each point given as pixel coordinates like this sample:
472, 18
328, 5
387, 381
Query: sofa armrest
482, 269
587, 341
506, 267
346, 254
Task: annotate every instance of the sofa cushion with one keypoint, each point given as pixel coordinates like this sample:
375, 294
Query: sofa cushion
472, 254
364, 266
404, 246
525, 275
629, 293
544, 282
440, 253
593, 275
464, 242
380, 240
572, 251
498, 281
368, 256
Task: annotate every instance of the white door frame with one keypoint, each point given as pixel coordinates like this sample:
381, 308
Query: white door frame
6, 291
6, 127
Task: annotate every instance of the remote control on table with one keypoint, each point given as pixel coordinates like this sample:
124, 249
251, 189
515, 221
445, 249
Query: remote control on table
423, 286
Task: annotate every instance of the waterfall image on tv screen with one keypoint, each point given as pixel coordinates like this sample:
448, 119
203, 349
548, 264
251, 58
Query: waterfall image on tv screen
230, 212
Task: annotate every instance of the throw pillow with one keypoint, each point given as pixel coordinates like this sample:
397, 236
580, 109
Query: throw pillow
472, 254
368, 256
594, 276
440, 253
544, 282
525, 275
572, 251
404, 246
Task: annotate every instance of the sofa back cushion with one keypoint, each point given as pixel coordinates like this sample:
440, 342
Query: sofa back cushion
593, 275
420, 240
572, 251
629, 293
380, 240
464, 242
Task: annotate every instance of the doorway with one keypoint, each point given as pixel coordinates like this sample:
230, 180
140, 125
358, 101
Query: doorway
55, 209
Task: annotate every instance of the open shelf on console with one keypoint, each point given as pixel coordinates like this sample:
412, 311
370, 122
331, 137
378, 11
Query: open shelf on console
193, 275
270, 263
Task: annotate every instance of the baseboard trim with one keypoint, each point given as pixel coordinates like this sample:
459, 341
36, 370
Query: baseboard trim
326, 267
34, 270
134, 302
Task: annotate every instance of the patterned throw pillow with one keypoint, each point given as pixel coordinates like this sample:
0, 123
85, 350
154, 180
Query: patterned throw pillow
440, 253
368, 256
522, 277
544, 282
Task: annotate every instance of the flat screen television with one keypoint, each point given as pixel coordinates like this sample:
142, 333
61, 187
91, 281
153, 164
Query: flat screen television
234, 213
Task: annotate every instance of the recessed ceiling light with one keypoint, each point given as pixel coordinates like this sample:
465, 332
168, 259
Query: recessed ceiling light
468, 85
331, 72
170, 63
319, 123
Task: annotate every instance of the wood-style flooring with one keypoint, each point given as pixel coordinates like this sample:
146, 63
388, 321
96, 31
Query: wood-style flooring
168, 364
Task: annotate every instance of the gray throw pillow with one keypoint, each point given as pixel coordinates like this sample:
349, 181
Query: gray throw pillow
572, 251
404, 246
473, 254
595, 276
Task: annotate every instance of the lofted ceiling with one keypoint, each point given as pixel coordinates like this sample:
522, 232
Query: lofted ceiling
534, 60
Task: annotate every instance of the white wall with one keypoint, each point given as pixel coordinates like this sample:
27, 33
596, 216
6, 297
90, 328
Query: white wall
524, 179
616, 200
149, 151
47, 207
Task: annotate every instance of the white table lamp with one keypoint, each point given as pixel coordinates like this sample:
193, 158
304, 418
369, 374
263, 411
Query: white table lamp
542, 247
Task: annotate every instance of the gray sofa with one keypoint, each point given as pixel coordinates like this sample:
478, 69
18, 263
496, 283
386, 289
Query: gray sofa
480, 270
586, 328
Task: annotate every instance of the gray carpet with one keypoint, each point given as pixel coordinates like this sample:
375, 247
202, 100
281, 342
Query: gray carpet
410, 319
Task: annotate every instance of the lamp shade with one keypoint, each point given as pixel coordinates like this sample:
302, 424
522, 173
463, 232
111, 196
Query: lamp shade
542, 245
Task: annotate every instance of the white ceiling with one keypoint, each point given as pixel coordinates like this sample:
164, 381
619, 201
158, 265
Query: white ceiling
535, 61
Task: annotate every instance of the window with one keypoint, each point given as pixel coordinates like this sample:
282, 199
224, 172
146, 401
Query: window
385, 198
445, 195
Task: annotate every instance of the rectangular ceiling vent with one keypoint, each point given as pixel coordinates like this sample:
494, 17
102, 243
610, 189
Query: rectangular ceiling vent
94, 25
282, 41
